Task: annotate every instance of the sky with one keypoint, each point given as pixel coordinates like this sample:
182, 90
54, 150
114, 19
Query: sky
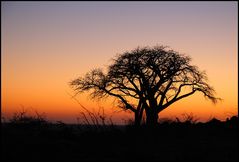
45, 45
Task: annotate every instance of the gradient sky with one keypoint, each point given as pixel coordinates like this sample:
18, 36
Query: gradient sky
45, 45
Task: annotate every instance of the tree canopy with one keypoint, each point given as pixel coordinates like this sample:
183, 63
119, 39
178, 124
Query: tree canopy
147, 79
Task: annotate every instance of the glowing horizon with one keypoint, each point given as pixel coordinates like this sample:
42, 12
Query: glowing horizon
45, 45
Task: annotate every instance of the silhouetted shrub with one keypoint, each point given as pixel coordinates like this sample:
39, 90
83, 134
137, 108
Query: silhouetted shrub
24, 120
232, 122
188, 119
214, 122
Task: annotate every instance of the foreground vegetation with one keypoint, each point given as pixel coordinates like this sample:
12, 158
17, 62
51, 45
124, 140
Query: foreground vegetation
34, 138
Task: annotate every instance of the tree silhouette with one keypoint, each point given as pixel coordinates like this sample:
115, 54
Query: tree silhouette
146, 80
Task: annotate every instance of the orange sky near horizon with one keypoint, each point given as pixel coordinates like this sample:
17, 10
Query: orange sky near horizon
45, 45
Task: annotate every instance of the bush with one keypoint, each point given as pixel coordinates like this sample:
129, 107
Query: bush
23, 119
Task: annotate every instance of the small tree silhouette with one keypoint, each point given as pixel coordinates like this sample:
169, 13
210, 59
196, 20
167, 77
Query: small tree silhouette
146, 79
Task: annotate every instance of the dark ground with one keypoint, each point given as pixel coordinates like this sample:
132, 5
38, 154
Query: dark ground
217, 141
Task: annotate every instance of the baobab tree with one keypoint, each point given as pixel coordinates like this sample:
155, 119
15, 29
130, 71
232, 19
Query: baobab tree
146, 80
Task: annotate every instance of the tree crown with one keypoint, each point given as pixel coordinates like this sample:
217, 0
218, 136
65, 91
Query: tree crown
153, 77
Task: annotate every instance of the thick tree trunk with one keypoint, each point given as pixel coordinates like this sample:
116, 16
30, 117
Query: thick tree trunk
136, 119
151, 118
